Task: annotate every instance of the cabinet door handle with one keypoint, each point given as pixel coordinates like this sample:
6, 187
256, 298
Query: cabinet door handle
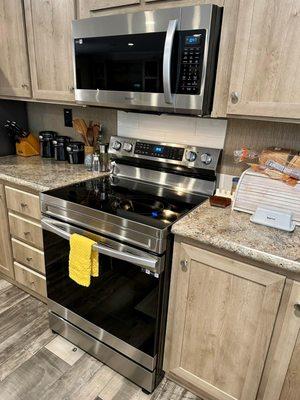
184, 265
297, 308
23, 205
234, 96
71, 88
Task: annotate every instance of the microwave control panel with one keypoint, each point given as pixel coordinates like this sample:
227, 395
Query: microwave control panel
191, 48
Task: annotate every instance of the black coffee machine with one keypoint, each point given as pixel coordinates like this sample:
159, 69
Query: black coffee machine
46, 143
60, 144
75, 152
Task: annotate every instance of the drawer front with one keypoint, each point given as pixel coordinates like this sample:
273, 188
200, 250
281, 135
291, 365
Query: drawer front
28, 256
31, 279
22, 202
22, 228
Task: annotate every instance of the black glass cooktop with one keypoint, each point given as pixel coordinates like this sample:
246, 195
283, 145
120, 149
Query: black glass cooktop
129, 199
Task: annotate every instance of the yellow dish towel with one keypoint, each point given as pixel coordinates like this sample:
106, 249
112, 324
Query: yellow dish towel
83, 261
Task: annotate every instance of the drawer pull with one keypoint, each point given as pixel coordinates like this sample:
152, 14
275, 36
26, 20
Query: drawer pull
28, 259
24, 205
27, 233
297, 309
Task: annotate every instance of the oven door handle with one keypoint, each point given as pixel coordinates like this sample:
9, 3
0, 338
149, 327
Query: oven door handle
167, 60
135, 256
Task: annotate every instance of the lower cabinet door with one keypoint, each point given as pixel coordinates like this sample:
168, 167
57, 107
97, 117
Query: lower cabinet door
281, 379
221, 317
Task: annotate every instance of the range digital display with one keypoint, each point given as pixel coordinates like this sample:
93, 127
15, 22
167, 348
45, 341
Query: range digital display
157, 150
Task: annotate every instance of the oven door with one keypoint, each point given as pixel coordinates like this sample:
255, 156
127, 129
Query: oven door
122, 307
127, 61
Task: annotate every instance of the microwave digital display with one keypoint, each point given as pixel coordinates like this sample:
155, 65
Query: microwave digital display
192, 39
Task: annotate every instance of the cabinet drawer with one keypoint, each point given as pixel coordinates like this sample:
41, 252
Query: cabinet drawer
28, 256
31, 279
22, 228
23, 202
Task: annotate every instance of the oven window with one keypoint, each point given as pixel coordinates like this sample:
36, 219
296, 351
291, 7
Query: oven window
123, 300
121, 63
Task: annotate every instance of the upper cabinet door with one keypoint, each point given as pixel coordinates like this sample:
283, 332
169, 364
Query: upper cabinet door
14, 68
265, 79
91, 8
49, 33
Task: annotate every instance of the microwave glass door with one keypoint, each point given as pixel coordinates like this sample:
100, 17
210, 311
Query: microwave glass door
123, 300
129, 63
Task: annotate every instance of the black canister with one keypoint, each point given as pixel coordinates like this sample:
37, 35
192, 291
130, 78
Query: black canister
75, 152
60, 148
46, 143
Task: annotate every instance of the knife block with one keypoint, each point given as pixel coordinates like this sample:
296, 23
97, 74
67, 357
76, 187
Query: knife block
28, 146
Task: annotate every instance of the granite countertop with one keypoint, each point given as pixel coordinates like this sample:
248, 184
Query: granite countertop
42, 174
232, 231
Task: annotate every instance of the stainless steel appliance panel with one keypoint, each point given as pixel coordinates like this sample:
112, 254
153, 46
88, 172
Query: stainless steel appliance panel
126, 367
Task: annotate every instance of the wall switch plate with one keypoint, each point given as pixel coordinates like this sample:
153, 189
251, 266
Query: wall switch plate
68, 117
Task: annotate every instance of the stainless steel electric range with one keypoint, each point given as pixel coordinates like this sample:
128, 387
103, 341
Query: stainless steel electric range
120, 319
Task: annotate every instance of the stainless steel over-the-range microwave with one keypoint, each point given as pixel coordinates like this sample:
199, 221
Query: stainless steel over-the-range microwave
162, 61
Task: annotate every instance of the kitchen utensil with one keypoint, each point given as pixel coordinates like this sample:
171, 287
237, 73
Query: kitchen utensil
46, 143
28, 146
75, 152
81, 128
90, 134
60, 148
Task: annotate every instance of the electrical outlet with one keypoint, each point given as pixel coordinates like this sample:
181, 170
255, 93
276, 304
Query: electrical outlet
68, 117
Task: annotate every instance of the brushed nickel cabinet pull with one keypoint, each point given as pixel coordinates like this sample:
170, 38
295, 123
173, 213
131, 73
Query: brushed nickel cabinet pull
184, 265
234, 96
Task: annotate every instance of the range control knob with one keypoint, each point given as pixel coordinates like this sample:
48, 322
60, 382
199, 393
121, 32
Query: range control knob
127, 146
116, 145
191, 156
206, 158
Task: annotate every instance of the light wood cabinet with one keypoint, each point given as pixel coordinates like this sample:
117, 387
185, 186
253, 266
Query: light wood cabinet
22, 202
6, 260
281, 379
265, 78
26, 230
221, 317
14, 67
30, 279
28, 255
88, 8
49, 34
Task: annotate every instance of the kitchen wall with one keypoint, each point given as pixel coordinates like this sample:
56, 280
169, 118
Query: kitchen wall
50, 117
228, 134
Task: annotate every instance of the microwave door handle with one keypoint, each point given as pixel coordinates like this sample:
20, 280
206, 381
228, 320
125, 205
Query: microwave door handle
167, 60
143, 260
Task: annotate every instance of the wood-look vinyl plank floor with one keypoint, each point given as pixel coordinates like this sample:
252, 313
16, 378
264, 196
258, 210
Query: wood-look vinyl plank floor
36, 364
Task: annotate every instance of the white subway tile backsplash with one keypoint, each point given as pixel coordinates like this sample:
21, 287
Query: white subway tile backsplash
173, 128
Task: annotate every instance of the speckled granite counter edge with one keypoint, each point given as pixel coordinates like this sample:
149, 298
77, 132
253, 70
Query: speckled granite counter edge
23, 182
246, 252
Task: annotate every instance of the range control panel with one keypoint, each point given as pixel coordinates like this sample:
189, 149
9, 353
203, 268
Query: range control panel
191, 47
189, 156
159, 150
